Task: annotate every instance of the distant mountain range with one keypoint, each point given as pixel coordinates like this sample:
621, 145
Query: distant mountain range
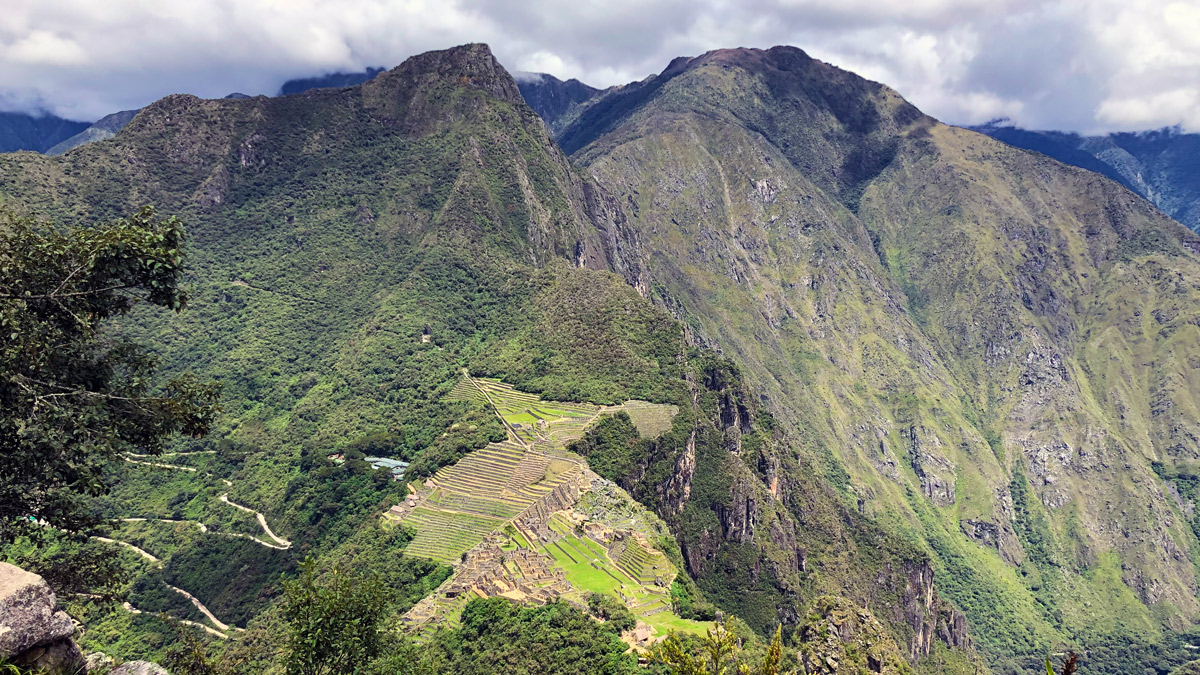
555, 101
328, 81
1163, 166
19, 131
52, 135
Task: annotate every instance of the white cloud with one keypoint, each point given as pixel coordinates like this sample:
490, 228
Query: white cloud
1085, 65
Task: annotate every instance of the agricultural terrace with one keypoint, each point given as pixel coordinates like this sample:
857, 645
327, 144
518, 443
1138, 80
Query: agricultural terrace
497, 516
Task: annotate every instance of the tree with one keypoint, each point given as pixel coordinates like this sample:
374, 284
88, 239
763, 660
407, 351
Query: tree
74, 393
1070, 663
334, 627
718, 653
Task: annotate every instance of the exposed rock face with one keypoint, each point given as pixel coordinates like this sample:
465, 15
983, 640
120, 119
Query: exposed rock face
139, 668
908, 295
32, 631
841, 637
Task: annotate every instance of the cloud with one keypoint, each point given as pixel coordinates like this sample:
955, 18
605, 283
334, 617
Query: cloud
1084, 65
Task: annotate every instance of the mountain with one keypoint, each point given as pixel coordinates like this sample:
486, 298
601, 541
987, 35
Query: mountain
19, 131
1158, 165
54, 136
328, 81
924, 387
555, 101
988, 351
352, 251
105, 127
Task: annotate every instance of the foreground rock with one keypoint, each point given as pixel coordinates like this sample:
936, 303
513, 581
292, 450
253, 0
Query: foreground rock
32, 631
139, 668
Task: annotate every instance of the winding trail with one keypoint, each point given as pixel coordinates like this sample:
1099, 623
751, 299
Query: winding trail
221, 626
164, 466
175, 454
262, 521
137, 550
202, 526
280, 543
209, 629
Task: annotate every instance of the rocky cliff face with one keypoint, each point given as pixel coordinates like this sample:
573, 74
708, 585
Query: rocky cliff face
839, 637
944, 323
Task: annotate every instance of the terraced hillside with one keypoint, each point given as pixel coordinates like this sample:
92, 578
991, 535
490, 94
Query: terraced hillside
508, 516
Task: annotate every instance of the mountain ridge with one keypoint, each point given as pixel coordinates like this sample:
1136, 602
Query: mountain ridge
895, 347
735, 162
1155, 164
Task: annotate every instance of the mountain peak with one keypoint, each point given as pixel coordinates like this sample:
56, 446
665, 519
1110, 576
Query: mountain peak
470, 64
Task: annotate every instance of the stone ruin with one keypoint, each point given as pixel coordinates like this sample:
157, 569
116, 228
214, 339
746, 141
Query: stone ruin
522, 575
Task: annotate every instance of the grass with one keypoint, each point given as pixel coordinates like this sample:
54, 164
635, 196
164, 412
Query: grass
581, 574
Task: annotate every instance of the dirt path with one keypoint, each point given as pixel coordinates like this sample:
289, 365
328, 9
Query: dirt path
221, 626
163, 466
202, 526
507, 427
175, 454
210, 630
137, 550
280, 543
301, 298
262, 521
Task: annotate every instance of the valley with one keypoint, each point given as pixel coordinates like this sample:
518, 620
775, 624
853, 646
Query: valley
768, 344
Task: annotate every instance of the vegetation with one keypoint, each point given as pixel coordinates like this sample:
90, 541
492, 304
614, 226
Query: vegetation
556, 638
334, 627
916, 328
75, 394
717, 653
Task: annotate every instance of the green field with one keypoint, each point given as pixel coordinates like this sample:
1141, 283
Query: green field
485, 490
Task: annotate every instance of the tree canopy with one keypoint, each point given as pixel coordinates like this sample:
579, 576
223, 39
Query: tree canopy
75, 394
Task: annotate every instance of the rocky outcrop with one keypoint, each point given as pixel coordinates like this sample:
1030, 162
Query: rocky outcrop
33, 632
838, 636
139, 668
927, 614
935, 472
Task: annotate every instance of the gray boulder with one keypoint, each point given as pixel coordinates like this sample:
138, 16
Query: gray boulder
139, 668
99, 662
32, 631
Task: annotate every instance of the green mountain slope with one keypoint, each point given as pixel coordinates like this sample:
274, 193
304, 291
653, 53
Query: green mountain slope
1159, 165
353, 250
987, 351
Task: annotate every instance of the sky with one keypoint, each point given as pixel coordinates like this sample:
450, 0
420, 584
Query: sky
1079, 65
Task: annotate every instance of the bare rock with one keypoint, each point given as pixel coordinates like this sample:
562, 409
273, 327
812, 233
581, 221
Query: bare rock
32, 631
139, 668
98, 661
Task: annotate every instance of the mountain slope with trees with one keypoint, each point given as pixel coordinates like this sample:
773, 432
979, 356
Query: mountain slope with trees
352, 250
994, 349
938, 378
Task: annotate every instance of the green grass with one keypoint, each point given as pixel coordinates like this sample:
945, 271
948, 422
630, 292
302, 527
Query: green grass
581, 574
